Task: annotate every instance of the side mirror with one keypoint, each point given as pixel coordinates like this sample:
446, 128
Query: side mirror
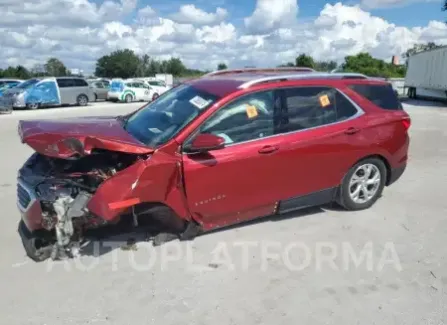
206, 142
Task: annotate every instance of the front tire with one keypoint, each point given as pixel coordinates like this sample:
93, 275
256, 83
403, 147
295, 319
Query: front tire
363, 184
36, 248
155, 96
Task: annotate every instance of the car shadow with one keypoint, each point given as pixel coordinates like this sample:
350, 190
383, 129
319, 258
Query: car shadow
425, 102
124, 236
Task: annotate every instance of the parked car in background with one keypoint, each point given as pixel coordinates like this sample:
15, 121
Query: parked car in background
100, 90
36, 93
159, 86
129, 91
9, 85
218, 150
4, 82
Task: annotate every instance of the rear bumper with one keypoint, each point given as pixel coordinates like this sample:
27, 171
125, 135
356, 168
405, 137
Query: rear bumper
396, 173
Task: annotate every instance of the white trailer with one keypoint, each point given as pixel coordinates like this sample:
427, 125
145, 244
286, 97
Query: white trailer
427, 74
167, 78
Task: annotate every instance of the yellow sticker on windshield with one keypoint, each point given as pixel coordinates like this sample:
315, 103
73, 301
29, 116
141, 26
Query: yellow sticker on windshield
252, 112
324, 101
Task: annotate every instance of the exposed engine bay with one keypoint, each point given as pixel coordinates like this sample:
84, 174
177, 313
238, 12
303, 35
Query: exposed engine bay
63, 188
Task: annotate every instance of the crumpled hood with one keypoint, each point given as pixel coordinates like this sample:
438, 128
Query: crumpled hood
74, 137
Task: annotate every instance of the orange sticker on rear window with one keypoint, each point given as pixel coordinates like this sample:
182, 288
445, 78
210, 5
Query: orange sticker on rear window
324, 101
252, 112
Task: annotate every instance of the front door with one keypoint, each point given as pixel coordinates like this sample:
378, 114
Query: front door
232, 184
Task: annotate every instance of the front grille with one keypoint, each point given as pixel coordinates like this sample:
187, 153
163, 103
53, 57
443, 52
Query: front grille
23, 197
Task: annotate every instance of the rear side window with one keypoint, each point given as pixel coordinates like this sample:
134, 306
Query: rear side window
80, 83
309, 107
383, 96
65, 83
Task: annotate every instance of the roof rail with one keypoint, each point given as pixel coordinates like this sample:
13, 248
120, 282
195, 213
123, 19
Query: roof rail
244, 70
314, 75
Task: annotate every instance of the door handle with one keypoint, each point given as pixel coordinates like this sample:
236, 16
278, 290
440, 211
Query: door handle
268, 149
352, 130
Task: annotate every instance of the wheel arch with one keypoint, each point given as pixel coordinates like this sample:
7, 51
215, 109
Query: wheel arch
159, 212
83, 94
385, 162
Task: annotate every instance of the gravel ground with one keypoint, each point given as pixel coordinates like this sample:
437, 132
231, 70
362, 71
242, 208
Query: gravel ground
284, 275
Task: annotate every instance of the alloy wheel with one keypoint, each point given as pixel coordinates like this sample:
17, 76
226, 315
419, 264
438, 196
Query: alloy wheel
364, 183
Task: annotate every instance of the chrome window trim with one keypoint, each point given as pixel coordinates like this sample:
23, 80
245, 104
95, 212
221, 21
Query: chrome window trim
360, 112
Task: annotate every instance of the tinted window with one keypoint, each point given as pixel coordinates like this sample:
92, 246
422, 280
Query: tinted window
345, 109
248, 118
65, 83
156, 83
80, 83
309, 107
381, 95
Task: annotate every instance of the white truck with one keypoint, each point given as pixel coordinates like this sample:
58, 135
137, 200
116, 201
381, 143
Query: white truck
427, 74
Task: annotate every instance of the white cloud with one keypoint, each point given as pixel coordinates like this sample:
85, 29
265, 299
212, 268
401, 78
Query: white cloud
373, 4
270, 15
189, 14
79, 32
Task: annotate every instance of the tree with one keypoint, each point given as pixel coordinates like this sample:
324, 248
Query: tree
175, 67
287, 65
222, 66
364, 63
55, 67
19, 72
120, 63
325, 66
304, 60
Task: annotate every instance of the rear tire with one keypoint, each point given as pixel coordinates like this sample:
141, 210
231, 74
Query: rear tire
82, 100
363, 184
33, 106
128, 98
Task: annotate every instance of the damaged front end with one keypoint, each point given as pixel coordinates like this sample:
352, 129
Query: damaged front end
53, 195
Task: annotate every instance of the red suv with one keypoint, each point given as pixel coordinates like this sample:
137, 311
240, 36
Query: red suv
228, 147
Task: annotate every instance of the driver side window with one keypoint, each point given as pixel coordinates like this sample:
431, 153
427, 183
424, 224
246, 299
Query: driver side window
248, 118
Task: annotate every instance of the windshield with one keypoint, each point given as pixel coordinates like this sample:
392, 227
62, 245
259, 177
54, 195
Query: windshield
27, 84
162, 119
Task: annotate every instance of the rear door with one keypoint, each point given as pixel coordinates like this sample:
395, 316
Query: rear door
322, 138
66, 86
82, 87
235, 184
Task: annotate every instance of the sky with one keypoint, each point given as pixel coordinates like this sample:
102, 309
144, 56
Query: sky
204, 33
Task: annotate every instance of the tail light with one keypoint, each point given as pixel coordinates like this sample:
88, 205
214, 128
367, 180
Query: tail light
406, 123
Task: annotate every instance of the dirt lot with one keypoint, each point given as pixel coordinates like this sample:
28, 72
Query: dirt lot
299, 269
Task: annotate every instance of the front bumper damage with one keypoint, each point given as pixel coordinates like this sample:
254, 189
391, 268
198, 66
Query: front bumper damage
64, 201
